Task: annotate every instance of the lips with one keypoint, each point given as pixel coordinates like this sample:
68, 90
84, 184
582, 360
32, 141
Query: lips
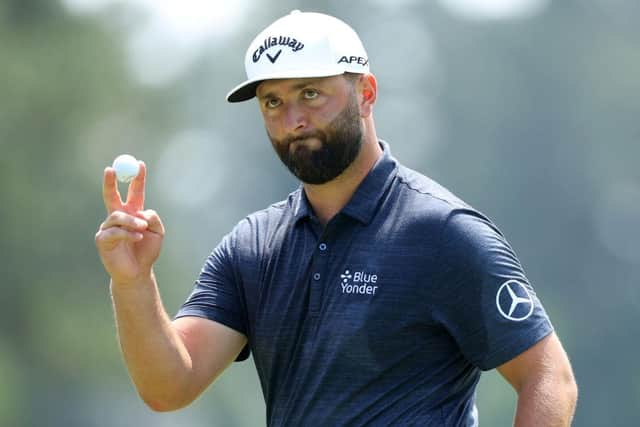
312, 140
311, 143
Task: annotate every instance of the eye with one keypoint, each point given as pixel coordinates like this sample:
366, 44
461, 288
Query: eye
310, 94
272, 102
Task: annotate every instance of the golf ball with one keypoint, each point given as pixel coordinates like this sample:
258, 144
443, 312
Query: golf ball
126, 167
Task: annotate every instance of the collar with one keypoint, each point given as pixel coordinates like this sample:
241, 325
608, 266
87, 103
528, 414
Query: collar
363, 203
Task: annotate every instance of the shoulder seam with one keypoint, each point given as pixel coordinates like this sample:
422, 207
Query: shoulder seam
426, 193
281, 205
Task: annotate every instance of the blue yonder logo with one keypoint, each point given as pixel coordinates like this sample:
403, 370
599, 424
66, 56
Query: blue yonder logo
359, 282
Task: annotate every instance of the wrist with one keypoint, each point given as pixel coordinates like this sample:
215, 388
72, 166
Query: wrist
136, 283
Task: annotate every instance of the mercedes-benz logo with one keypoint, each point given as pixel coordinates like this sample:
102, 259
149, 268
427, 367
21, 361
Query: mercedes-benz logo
514, 301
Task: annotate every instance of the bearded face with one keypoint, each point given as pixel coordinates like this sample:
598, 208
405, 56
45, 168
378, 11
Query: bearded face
339, 144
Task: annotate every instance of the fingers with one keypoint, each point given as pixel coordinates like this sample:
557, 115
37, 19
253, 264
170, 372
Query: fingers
110, 193
123, 220
110, 236
143, 221
153, 220
135, 195
120, 226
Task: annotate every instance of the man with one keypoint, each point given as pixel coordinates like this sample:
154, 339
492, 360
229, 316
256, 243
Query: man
370, 296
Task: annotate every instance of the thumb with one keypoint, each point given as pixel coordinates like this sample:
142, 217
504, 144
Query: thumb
154, 221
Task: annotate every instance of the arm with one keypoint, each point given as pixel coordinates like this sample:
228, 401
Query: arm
170, 363
544, 381
478, 310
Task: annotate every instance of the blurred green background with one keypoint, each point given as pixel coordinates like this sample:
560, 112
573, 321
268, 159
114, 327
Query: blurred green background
527, 109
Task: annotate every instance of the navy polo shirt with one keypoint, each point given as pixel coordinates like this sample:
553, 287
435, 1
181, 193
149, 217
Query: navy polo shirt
386, 316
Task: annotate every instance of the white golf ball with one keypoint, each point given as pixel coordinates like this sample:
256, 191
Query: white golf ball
127, 167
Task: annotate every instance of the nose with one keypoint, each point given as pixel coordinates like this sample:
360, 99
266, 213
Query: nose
295, 118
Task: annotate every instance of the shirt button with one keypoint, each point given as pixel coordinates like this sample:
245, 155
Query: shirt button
316, 276
323, 246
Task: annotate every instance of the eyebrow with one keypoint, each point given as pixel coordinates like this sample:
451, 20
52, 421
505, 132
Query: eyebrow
297, 86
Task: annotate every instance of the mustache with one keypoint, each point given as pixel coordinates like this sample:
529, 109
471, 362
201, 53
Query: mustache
317, 133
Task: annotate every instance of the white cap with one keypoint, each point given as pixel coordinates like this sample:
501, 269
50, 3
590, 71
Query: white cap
299, 45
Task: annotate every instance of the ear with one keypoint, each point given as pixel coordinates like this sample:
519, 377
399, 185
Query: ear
368, 93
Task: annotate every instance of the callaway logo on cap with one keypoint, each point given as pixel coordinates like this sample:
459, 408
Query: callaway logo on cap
301, 45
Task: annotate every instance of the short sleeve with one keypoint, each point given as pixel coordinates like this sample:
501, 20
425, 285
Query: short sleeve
485, 301
216, 293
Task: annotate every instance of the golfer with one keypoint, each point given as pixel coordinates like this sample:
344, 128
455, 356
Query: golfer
370, 296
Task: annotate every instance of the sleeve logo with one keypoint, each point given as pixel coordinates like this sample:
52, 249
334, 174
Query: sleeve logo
514, 301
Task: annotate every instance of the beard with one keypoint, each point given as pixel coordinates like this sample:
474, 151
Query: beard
340, 143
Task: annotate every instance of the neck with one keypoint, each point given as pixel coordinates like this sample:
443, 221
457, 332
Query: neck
328, 199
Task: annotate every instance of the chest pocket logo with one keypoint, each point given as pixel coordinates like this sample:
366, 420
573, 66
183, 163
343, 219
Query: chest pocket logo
359, 282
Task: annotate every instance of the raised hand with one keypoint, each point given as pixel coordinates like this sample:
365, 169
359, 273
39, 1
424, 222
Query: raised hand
130, 238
